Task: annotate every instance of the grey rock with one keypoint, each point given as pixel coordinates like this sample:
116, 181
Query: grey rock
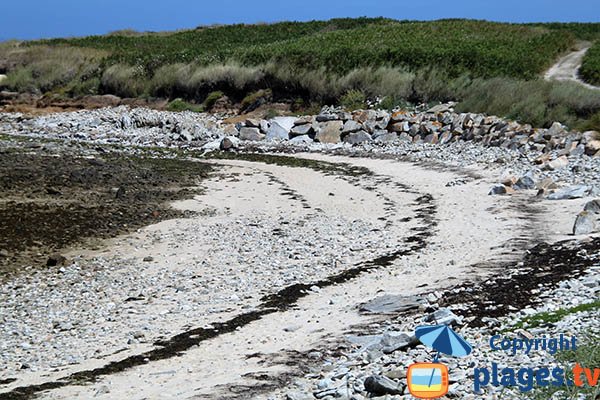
381, 385
299, 396
300, 130
301, 139
252, 123
357, 137
227, 144
393, 341
584, 224
556, 129
526, 182
500, 189
571, 192
593, 206
251, 134
286, 123
264, 126
391, 304
351, 126
387, 138
277, 132
443, 316
329, 132
440, 108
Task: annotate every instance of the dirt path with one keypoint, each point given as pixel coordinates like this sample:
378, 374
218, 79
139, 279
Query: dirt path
278, 266
567, 68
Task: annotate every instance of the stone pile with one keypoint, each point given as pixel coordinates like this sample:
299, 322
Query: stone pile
438, 125
121, 124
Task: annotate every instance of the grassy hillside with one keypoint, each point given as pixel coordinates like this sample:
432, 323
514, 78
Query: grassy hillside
478, 47
304, 63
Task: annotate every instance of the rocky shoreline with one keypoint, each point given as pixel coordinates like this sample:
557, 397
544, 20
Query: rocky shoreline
545, 167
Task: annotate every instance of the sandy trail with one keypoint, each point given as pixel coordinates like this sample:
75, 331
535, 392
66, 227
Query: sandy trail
465, 227
567, 68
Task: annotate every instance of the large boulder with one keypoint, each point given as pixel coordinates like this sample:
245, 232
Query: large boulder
585, 223
277, 132
351, 126
329, 132
357, 137
251, 134
286, 123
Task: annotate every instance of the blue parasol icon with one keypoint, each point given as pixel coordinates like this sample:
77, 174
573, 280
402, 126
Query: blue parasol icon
443, 339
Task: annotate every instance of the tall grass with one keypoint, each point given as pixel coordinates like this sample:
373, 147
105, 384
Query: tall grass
41, 69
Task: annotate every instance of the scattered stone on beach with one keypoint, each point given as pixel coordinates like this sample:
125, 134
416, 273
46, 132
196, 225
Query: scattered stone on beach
56, 260
391, 304
381, 385
569, 193
501, 189
585, 223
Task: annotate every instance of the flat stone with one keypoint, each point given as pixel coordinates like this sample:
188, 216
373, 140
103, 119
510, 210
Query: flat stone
357, 137
391, 304
300, 130
443, 316
387, 137
571, 192
301, 139
251, 134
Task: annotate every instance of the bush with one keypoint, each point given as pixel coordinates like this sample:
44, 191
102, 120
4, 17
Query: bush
256, 99
124, 81
211, 99
179, 105
354, 100
590, 67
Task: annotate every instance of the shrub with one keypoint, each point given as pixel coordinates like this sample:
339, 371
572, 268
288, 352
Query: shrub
124, 81
256, 99
590, 67
354, 100
179, 105
211, 99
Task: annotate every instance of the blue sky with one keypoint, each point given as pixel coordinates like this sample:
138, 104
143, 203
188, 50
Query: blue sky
29, 19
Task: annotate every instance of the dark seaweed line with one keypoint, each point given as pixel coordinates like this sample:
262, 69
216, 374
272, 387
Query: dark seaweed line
281, 301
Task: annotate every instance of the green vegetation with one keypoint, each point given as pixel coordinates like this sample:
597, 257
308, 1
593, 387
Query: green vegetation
545, 318
256, 99
587, 355
590, 67
211, 99
581, 31
354, 99
181, 105
488, 67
